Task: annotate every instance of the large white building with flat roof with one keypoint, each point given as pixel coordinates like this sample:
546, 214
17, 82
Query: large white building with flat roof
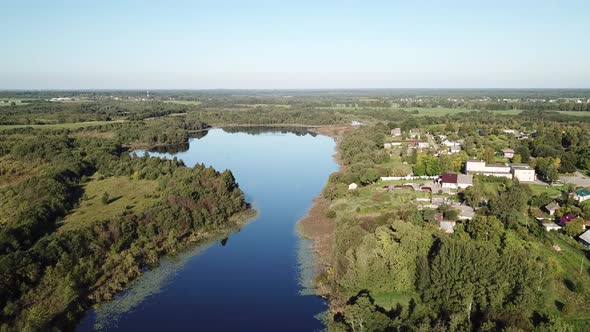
520, 172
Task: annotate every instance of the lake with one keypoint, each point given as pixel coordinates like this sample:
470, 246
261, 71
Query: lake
255, 280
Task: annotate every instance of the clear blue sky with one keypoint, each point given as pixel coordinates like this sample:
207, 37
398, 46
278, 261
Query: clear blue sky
294, 44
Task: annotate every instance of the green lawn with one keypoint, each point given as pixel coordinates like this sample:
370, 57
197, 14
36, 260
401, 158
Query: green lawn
390, 300
125, 195
395, 165
374, 199
574, 113
71, 125
567, 265
441, 111
183, 102
264, 105
539, 189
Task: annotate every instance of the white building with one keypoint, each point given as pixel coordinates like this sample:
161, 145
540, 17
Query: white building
551, 226
508, 153
551, 208
520, 172
396, 132
480, 167
455, 149
352, 186
414, 134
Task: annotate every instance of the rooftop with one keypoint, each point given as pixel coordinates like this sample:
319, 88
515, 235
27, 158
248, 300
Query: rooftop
449, 178
465, 179
497, 165
585, 236
523, 166
552, 206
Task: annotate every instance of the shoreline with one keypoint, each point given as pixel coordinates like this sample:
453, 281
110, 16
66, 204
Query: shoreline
196, 241
317, 227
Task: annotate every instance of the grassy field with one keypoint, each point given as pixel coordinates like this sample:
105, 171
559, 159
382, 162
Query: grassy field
72, 125
573, 113
539, 189
441, 111
183, 102
264, 105
13, 171
125, 195
570, 278
395, 164
373, 199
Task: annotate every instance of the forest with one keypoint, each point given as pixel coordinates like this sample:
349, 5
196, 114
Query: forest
58, 256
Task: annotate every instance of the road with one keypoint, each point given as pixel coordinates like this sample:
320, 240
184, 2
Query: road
578, 179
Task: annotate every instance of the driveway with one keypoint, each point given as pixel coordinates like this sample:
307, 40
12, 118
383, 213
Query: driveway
578, 179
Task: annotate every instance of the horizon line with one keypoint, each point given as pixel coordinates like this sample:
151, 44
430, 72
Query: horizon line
282, 89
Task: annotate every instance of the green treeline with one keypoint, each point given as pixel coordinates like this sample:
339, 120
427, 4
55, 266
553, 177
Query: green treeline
273, 116
49, 274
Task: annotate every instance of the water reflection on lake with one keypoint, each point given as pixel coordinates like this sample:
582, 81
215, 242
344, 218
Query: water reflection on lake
250, 281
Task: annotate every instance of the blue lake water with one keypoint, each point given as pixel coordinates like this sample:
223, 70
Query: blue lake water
251, 282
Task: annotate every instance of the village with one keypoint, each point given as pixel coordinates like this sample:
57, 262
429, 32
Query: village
443, 195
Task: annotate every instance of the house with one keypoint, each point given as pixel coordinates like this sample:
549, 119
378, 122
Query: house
449, 180
552, 207
508, 153
509, 131
551, 226
447, 226
455, 148
387, 146
466, 212
456, 181
582, 195
585, 239
396, 132
414, 134
423, 145
353, 186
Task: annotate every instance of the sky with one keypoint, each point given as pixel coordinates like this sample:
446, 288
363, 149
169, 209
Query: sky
118, 44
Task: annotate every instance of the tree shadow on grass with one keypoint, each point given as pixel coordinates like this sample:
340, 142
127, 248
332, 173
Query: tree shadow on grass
114, 199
